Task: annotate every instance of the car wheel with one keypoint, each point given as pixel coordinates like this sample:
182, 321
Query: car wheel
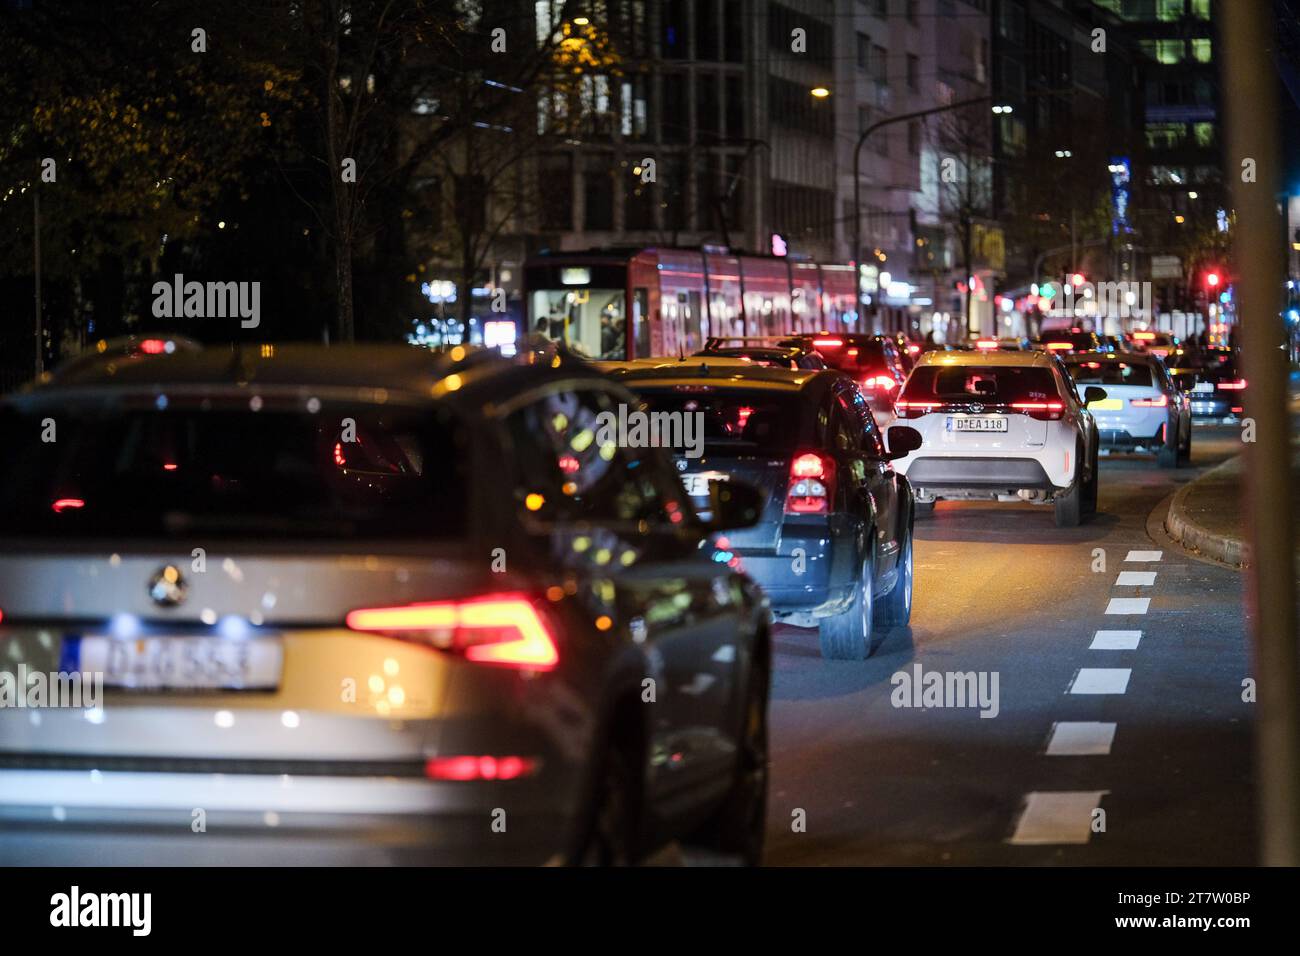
1094, 480
609, 832
1167, 456
1069, 504
850, 635
1185, 452
896, 608
739, 826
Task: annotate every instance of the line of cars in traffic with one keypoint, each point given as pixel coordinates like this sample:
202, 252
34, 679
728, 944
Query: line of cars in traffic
371, 604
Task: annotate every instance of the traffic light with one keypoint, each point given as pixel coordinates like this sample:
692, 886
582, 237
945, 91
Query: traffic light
1212, 280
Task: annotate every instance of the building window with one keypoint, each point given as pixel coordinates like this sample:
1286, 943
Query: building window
555, 189
706, 31
674, 30
911, 11
735, 108
706, 106
1169, 9
1165, 135
1202, 50
864, 52
879, 68
1204, 133
913, 72
676, 109
914, 138
1201, 9
733, 31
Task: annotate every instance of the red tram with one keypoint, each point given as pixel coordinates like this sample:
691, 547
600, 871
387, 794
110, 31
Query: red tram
677, 298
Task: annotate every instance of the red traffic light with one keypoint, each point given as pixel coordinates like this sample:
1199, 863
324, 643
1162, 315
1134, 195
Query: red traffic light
1077, 279
1212, 279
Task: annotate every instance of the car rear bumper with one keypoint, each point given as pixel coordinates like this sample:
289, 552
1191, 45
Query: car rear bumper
813, 569
78, 817
1006, 475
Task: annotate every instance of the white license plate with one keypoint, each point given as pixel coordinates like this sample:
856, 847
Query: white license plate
1203, 387
697, 486
977, 424
179, 663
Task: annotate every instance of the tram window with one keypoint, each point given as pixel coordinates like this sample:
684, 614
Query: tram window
641, 321
592, 321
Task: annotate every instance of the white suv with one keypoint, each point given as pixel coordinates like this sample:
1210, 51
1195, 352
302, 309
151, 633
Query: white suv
1006, 426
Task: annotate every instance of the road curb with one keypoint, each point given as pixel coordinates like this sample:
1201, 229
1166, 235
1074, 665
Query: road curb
1193, 536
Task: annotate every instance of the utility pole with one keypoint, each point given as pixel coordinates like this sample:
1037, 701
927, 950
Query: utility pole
1252, 122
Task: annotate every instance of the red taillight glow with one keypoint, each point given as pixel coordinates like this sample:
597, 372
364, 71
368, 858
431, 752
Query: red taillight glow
1236, 386
502, 629
812, 483
884, 382
153, 346
1159, 402
987, 345
67, 504
1040, 411
339, 459
742, 416
914, 349
485, 767
828, 343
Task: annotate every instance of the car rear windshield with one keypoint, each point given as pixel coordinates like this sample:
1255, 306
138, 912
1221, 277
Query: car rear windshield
1078, 340
986, 384
736, 421
852, 357
181, 470
1111, 373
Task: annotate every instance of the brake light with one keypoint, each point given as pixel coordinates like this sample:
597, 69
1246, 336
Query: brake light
1159, 402
1144, 336
986, 345
1059, 346
851, 353
1236, 386
1040, 411
812, 484
914, 349
153, 346
484, 767
65, 504
886, 382
913, 409
828, 343
502, 629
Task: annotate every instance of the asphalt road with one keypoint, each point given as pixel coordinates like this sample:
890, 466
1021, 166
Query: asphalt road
1000, 590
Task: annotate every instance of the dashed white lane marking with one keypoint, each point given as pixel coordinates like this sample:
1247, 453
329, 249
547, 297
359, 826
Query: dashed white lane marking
1101, 680
1144, 556
1080, 739
1142, 579
1128, 605
1115, 641
1057, 817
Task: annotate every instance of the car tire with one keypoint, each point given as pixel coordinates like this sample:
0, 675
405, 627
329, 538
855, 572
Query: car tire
923, 509
740, 824
1185, 452
851, 635
1094, 481
895, 610
1167, 455
609, 834
1069, 506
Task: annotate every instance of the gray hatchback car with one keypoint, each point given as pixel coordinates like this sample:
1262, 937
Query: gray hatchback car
366, 605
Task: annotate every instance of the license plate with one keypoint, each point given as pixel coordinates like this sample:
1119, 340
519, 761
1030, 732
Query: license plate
697, 486
1203, 387
177, 663
1108, 405
977, 424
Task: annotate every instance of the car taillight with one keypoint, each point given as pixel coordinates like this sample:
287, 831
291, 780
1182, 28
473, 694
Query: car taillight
884, 383
502, 629
1059, 346
1159, 402
828, 343
987, 345
907, 408
479, 767
1236, 386
812, 484
1040, 411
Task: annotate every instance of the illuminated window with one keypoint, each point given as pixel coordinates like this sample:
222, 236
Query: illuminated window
1202, 50
1169, 51
1170, 9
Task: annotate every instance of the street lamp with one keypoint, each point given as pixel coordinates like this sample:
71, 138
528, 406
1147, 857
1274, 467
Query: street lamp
820, 92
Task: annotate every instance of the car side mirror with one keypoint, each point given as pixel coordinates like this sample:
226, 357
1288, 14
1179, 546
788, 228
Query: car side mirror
733, 505
901, 441
1093, 394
